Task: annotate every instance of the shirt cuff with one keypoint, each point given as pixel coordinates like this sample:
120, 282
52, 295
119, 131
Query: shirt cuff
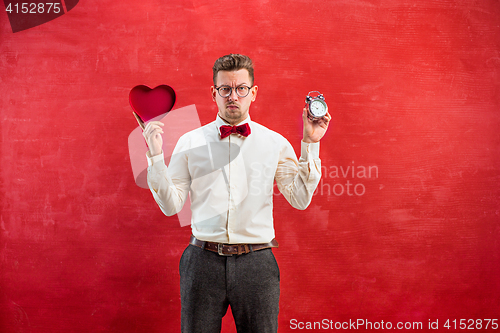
154, 159
309, 149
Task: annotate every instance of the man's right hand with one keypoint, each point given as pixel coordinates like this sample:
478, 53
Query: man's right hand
152, 134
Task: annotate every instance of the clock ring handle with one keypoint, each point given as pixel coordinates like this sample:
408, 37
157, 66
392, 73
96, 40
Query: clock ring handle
314, 91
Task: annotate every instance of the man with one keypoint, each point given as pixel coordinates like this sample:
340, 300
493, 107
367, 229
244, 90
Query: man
228, 167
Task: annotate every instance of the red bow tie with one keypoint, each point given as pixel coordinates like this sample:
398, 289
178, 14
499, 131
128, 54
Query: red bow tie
226, 130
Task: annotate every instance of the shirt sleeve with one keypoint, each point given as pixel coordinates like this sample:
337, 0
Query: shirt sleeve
169, 185
297, 180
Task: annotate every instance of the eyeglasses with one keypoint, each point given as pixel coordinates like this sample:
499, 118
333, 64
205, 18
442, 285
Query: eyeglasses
226, 91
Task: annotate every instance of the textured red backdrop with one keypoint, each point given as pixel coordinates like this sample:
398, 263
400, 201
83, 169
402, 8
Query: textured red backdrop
414, 90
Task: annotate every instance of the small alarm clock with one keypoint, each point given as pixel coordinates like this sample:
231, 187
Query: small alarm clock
316, 106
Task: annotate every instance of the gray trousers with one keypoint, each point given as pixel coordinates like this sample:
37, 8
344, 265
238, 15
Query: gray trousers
249, 283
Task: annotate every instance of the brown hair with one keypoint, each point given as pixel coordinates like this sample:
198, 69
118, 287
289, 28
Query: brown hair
233, 62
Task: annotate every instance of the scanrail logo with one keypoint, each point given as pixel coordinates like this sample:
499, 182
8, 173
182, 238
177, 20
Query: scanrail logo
28, 14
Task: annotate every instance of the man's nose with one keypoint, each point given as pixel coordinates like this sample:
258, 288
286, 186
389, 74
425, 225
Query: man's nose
233, 96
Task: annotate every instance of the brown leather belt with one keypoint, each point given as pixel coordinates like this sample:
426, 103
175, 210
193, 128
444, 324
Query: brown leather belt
230, 249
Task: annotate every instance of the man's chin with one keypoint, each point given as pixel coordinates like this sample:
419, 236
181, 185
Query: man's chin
233, 114
233, 117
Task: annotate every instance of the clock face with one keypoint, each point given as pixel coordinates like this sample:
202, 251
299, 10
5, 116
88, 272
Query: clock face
318, 108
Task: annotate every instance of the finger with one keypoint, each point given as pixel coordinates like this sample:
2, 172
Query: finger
326, 121
156, 122
152, 125
327, 117
154, 138
305, 116
151, 131
155, 131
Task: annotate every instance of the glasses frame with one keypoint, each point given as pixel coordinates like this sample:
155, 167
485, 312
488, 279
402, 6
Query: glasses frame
231, 90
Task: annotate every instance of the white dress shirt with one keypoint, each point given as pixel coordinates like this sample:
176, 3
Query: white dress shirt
230, 181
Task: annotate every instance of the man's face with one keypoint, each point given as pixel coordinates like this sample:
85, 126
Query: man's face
234, 109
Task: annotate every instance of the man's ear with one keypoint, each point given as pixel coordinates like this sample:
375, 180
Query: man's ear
214, 92
254, 93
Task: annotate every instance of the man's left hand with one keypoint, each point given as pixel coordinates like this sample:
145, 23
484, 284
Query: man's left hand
314, 129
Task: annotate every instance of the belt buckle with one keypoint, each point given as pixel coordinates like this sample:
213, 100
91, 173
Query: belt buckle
219, 250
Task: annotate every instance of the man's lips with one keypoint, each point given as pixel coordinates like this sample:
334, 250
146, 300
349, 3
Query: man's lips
232, 107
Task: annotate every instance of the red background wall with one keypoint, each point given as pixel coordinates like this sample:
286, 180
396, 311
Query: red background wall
414, 91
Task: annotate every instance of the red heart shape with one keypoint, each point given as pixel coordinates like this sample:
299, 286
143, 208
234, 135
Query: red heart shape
149, 103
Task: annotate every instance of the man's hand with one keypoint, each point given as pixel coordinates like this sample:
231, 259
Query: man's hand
314, 129
152, 134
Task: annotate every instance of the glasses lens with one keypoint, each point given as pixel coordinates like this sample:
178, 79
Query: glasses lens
242, 91
224, 91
